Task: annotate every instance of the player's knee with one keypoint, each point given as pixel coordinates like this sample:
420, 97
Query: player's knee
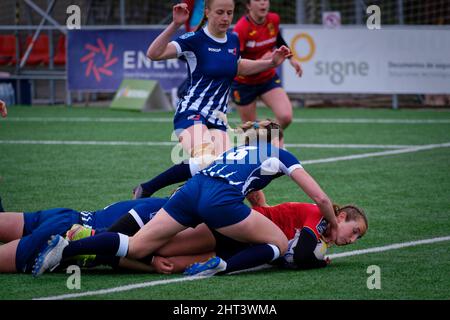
285, 119
282, 244
136, 249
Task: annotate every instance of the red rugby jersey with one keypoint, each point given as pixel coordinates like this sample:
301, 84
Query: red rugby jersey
256, 40
290, 216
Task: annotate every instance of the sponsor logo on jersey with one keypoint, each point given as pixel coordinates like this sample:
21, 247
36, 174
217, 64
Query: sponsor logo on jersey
214, 49
195, 117
237, 96
252, 33
271, 28
232, 51
250, 44
322, 226
187, 35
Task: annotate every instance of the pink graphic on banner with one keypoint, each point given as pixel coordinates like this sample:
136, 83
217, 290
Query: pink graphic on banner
98, 60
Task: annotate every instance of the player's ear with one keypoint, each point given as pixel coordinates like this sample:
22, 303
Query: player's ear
342, 216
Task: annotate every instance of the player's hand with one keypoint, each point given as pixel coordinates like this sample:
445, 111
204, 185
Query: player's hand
280, 54
180, 14
297, 67
162, 265
3, 109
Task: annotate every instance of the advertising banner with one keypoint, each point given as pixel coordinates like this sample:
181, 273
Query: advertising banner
98, 60
358, 60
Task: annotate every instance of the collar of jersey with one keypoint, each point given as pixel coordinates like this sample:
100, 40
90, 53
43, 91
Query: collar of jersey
220, 40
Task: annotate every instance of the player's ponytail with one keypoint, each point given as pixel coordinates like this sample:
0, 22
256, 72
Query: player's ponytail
204, 18
267, 128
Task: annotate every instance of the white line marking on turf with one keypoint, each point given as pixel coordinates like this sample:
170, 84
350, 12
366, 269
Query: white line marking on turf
163, 282
91, 143
388, 247
232, 120
378, 154
166, 143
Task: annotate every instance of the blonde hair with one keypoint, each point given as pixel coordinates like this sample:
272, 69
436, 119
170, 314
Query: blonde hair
204, 18
257, 130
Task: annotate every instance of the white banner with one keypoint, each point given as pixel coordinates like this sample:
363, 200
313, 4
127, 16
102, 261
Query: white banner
358, 60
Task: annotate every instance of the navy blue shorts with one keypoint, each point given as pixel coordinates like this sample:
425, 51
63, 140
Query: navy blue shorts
188, 118
38, 228
244, 94
209, 200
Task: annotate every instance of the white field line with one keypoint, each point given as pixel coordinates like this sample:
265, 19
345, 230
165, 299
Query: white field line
232, 120
378, 154
167, 143
163, 282
91, 143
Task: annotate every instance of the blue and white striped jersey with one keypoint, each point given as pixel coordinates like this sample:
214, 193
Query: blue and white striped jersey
212, 65
252, 167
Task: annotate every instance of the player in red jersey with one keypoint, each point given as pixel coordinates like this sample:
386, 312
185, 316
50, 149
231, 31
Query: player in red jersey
302, 223
259, 34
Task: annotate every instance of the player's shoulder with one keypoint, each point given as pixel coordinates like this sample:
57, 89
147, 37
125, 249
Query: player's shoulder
273, 17
233, 36
242, 23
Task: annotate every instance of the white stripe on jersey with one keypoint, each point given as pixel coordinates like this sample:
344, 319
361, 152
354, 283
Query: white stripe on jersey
206, 110
196, 104
190, 56
186, 99
191, 59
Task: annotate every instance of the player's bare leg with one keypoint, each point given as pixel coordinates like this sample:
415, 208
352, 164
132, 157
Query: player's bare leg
11, 226
8, 257
3, 109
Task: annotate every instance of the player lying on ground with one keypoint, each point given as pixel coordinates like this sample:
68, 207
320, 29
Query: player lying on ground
25, 234
214, 196
184, 249
302, 223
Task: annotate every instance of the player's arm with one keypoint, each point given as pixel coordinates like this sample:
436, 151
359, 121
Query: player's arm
161, 48
257, 199
130, 264
292, 61
248, 67
178, 263
313, 190
304, 256
3, 109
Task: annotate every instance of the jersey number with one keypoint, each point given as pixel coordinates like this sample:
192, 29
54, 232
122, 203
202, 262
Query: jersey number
240, 153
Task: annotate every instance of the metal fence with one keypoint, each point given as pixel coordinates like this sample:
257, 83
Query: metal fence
30, 17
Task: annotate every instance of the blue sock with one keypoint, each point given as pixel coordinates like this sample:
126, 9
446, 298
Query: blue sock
175, 174
253, 256
106, 243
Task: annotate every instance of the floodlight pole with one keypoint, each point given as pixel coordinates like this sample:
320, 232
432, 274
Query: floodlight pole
300, 12
122, 12
401, 20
